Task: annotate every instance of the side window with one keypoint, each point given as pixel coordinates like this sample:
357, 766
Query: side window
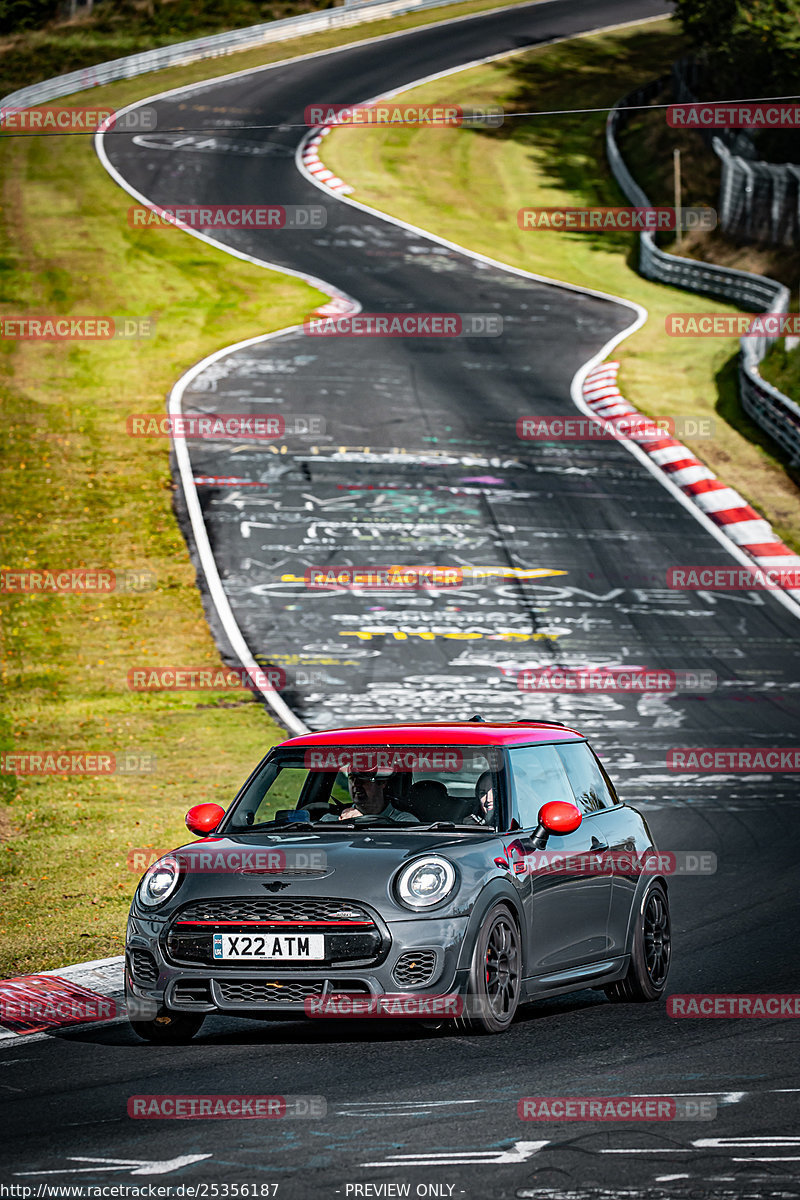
538, 777
592, 793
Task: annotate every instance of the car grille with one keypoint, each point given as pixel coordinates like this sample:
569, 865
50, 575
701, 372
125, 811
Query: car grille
414, 968
351, 934
259, 993
143, 968
274, 909
268, 991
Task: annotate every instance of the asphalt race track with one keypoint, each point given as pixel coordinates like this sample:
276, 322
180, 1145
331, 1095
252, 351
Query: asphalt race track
420, 463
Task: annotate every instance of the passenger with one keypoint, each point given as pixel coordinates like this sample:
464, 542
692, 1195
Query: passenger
484, 798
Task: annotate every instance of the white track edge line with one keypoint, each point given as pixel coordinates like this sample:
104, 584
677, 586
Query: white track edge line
199, 531
216, 590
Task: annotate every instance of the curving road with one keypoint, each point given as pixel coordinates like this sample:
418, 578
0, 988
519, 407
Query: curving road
420, 463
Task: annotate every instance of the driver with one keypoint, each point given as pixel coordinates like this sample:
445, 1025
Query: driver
371, 795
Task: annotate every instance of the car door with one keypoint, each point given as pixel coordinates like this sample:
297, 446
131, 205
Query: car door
568, 912
628, 838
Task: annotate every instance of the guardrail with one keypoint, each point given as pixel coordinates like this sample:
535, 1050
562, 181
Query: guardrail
213, 46
773, 411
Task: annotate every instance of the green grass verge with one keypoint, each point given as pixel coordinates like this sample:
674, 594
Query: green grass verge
78, 492
781, 368
468, 185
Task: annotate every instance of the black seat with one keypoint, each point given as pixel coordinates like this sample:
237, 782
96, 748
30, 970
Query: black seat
429, 801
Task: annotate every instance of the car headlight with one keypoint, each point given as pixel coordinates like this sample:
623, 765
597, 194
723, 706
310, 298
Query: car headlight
159, 881
426, 881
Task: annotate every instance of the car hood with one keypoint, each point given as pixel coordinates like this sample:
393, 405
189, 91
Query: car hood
351, 865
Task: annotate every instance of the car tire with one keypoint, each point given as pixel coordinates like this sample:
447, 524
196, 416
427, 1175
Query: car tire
495, 978
651, 950
168, 1028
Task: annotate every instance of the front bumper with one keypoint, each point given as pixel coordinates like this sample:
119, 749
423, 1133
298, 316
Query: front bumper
154, 982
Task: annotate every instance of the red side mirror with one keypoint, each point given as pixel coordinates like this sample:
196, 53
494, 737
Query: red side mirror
559, 817
204, 818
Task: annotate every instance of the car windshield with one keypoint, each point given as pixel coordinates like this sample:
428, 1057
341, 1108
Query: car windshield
387, 787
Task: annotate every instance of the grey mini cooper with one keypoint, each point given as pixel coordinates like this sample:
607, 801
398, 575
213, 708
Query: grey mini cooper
448, 871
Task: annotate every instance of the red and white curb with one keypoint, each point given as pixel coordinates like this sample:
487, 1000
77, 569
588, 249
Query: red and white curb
317, 168
36, 1006
720, 503
337, 306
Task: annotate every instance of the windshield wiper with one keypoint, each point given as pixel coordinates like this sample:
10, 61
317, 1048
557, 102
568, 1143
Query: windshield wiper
455, 825
272, 826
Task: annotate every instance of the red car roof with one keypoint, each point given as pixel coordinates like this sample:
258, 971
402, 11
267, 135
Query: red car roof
440, 733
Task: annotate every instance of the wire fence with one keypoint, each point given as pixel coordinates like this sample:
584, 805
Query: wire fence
758, 201
773, 411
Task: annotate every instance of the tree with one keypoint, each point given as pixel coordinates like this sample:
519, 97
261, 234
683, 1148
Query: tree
17, 15
748, 47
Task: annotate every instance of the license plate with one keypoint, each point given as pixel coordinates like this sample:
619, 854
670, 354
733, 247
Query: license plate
273, 946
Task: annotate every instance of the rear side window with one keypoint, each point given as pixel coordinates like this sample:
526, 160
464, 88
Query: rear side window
539, 777
592, 793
